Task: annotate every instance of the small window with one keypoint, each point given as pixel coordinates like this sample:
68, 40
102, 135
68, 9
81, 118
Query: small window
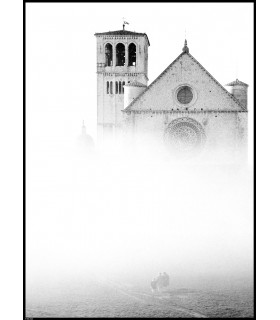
123, 87
107, 87
117, 88
111, 87
120, 87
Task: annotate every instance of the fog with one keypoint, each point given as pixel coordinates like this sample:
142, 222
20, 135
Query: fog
121, 213
126, 215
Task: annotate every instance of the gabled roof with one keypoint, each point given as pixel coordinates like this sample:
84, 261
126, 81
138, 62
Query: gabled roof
237, 83
128, 108
122, 33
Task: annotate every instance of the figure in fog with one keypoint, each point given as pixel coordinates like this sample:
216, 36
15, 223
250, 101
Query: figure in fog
161, 281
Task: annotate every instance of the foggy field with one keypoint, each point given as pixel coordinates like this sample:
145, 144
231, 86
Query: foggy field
100, 227
115, 300
106, 213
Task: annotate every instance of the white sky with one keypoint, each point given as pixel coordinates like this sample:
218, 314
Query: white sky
268, 155
61, 59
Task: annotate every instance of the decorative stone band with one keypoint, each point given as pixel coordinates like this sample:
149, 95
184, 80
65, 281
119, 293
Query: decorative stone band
118, 38
183, 111
129, 74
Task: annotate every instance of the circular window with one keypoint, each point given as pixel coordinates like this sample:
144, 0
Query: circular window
185, 95
185, 134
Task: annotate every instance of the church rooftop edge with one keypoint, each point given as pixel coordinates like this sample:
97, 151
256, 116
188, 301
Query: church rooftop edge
122, 33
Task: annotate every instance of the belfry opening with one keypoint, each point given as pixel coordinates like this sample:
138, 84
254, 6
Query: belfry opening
132, 54
120, 55
108, 55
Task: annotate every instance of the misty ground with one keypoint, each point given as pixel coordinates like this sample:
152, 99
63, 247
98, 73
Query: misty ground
116, 299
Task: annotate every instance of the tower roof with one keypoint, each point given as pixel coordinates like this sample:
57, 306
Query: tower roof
237, 83
122, 33
135, 83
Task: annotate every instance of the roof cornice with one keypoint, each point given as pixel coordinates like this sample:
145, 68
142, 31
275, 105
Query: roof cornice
183, 111
123, 33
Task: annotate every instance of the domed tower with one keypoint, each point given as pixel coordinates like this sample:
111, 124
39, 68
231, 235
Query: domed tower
239, 90
85, 141
122, 57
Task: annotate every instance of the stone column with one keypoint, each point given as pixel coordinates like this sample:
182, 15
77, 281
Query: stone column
114, 54
126, 55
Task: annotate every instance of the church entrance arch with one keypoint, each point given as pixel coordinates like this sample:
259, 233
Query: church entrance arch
185, 134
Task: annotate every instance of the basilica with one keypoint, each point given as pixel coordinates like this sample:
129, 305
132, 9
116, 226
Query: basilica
184, 108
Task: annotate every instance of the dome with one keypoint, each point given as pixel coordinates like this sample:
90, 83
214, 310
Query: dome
237, 83
135, 83
85, 139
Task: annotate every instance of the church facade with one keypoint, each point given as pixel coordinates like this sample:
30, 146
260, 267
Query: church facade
184, 108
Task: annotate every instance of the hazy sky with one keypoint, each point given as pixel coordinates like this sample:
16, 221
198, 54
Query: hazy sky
61, 59
77, 212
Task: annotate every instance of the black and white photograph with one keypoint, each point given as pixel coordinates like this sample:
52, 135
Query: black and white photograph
139, 159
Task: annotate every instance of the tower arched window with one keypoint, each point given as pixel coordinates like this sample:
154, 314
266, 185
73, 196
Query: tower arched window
123, 86
111, 87
108, 55
132, 54
117, 87
120, 54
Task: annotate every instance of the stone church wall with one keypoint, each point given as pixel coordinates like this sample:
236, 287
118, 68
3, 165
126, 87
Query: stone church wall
225, 131
222, 118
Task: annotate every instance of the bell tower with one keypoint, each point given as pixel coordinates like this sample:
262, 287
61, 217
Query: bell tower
122, 57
